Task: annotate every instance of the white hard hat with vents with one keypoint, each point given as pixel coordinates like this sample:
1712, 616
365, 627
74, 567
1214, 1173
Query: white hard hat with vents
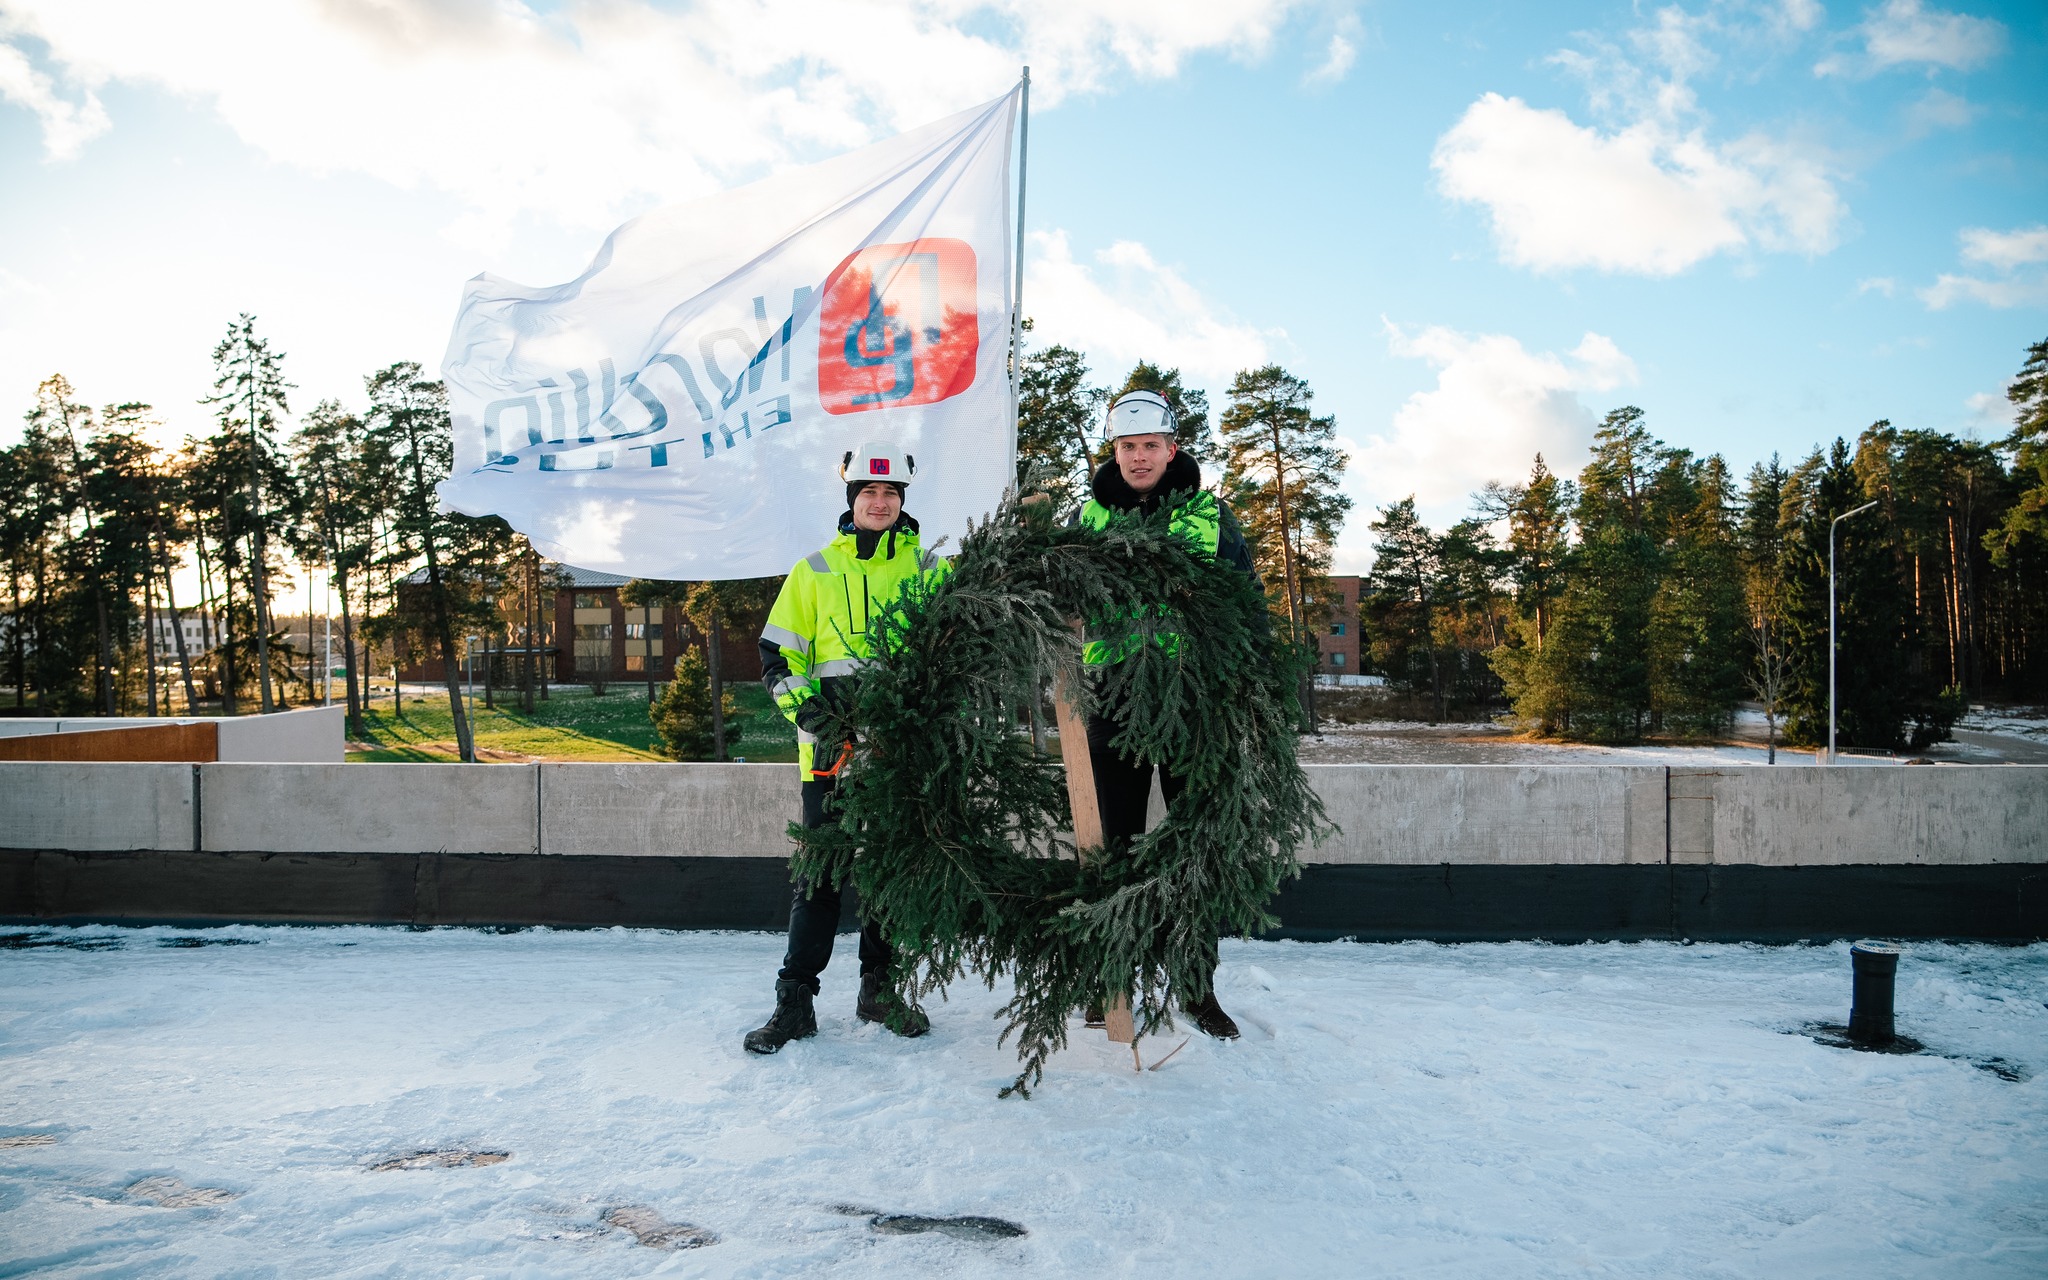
1140, 413
877, 461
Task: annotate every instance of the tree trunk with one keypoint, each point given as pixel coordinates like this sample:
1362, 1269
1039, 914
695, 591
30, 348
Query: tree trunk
1292, 580
444, 623
717, 687
227, 639
149, 633
177, 624
16, 638
348, 662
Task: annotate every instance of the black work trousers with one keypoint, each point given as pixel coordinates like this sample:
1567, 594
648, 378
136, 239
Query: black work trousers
814, 913
1123, 789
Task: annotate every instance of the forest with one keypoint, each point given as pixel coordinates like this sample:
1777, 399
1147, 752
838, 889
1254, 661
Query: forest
1647, 595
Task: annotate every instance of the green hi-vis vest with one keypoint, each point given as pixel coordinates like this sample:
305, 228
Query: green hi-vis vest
1199, 519
821, 619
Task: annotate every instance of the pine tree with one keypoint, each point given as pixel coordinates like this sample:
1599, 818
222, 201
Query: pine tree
1401, 598
1698, 638
1283, 472
683, 714
249, 388
1058, 417
407, 436
1885, 700
328, 453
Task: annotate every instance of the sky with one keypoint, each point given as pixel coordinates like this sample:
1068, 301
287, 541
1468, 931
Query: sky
1473, 228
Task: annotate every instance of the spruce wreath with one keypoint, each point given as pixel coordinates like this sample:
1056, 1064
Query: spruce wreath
952, 825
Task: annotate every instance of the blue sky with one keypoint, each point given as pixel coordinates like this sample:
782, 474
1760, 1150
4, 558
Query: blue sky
1472, 227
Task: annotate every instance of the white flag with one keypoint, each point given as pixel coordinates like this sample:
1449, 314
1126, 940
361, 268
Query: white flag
681, 408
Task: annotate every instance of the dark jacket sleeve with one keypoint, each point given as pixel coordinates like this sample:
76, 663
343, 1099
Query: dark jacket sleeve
1233, 550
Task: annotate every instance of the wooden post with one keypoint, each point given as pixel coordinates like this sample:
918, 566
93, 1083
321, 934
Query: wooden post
1116, 1012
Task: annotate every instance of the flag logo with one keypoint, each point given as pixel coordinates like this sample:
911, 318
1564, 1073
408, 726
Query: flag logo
898, 327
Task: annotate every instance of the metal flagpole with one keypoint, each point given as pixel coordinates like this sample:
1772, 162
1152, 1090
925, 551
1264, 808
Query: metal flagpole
1017, 293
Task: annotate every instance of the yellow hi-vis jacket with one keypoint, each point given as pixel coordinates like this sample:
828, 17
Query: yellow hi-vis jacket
816, 636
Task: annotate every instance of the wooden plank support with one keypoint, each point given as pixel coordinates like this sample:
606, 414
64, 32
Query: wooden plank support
1116, 1012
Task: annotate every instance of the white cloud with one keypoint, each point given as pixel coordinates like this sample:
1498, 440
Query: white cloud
1947, 290
1938, 109
1905, 33
1126, 307
1649, 199
1877, 284
2005, 250
1990, 409
1341, 55
2008, 253
576, 113
1495, 406
1797, 15
67, 126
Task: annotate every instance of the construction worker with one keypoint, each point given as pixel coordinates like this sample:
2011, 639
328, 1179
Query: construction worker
815, 640
1146, 472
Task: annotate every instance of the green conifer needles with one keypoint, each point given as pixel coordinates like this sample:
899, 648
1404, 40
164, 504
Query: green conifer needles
952, 826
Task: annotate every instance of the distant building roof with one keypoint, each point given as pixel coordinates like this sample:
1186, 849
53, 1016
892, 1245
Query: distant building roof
577, 577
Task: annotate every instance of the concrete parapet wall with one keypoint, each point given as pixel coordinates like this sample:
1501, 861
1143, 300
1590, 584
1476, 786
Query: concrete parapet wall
97, 807
369, 808
666, 810
1512, 815
1757, 815
1389, 815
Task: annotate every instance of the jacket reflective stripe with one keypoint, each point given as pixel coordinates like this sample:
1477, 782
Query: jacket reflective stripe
786, 638
818, 628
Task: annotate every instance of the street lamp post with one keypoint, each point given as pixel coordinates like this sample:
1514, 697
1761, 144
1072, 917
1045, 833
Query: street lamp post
1831, 620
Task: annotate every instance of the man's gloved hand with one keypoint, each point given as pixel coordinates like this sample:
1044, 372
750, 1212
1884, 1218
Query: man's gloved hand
813, 715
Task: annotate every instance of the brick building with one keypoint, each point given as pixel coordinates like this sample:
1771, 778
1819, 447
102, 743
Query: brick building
1338, 638
592, 634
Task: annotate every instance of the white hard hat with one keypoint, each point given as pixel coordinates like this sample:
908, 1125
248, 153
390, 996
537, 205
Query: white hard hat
1139, 413
877, 461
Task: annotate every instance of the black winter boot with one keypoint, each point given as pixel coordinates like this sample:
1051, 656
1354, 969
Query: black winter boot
1209, 1016
882, 1004
793, 1019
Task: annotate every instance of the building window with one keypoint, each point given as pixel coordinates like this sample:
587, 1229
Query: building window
593, 631
592, 600
1336, 659
1336, 628
643, 631
634, 662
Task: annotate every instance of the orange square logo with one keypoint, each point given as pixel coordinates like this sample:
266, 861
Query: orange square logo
898, 326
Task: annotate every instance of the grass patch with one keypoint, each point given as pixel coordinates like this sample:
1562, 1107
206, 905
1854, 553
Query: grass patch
570, 726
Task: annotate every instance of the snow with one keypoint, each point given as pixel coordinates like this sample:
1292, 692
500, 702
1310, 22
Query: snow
1506, 1110
2015, 722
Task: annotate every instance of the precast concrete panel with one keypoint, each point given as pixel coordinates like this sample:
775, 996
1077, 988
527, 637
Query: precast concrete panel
668, 810
369, 808
1396, 815
309, 735
1932, 815
95, 807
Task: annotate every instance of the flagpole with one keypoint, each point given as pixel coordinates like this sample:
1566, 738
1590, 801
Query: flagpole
1017, 294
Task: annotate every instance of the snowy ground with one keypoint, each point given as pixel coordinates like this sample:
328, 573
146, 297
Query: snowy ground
1500, 1110
2007, 736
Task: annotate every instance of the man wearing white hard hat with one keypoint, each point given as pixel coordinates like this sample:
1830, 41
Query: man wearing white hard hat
815, 640
1146, 473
